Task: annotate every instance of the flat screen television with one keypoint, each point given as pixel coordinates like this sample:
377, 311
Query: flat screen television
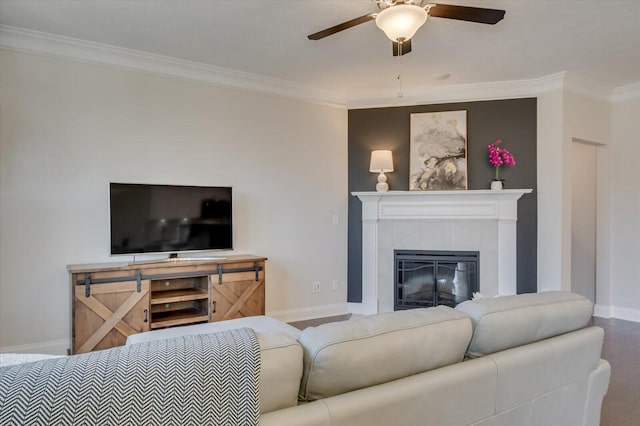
169, 218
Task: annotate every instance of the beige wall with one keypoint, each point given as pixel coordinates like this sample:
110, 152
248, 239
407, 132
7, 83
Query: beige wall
551, 265
67, 129
564, 117
589, 120
625, 211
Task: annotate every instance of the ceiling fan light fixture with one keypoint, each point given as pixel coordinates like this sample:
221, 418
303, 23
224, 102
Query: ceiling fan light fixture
400, 22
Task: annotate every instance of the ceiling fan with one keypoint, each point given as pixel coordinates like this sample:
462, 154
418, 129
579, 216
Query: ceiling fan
400, 19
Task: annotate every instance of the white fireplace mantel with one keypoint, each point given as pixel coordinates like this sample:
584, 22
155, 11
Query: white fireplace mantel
471, 205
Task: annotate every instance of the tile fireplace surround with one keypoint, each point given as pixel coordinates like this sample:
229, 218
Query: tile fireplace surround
437, 220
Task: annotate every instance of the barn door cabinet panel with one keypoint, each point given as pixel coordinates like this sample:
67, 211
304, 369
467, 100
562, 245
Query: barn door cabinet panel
112, 301
238, 293
108, 313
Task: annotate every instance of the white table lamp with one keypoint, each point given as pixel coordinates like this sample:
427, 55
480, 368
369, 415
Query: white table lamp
381, 161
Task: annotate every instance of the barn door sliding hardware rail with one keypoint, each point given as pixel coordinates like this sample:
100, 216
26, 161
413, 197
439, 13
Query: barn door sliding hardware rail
138, 277
256, 267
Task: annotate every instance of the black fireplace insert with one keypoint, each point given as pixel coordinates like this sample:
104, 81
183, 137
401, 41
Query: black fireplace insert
429, 278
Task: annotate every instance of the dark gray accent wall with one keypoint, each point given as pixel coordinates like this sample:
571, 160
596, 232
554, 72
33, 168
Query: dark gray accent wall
514, 121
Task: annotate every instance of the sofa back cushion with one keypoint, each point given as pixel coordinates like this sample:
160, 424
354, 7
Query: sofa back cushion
280, 353
343, 356
506, 322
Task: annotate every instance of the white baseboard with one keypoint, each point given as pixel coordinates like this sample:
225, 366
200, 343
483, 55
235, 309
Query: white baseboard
627, 314
359, 308
301, 314
54, 347
602, 311
355, 308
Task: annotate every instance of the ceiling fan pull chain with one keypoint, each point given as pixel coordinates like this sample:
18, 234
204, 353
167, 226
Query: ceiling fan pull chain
399, 75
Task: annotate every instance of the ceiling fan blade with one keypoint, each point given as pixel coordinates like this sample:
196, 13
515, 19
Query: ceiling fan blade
466, 13
342, 27
403, 48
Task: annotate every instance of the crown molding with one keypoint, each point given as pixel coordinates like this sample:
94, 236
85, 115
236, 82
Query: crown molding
579, 86
625, 93
57, 46
483, 92
46, 44
460, 93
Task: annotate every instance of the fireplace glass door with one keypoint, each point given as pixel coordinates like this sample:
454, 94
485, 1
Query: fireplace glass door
430, 278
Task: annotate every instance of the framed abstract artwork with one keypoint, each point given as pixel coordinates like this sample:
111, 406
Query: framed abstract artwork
438, 151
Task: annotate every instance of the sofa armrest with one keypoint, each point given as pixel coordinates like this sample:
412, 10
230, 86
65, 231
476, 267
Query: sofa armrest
596, 390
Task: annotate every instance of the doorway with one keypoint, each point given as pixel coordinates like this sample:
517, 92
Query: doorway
583, 218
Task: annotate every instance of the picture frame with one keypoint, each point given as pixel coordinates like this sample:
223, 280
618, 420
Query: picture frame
438, 151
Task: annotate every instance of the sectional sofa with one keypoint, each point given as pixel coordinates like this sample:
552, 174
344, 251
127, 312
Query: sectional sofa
519, 360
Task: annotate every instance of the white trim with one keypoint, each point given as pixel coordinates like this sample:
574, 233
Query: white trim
356, 308
625, 93
602, 311
312, 312
36, 42
578, 86
617, 312
625, 313
54, 347
29, 41
483, 91
459, 93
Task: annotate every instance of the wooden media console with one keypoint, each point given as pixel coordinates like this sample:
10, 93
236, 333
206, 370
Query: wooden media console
112, 301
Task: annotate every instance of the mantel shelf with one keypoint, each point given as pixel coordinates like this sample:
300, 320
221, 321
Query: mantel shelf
471, 193
471, 204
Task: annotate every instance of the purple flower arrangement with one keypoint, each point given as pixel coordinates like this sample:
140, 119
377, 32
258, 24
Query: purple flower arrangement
499, 157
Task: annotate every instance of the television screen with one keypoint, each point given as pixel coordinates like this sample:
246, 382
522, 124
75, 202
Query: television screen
169, 218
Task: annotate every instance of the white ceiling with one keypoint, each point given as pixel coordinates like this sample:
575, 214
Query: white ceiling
597, 41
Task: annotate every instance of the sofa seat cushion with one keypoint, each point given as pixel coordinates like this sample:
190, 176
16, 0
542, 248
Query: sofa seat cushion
343, 356
506, 322
280, 354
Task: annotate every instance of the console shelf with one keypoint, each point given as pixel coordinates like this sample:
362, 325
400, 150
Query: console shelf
179, 296
113, 301
179, 317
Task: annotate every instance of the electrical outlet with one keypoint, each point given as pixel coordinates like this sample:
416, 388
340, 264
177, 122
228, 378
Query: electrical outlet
335, 284
315, 286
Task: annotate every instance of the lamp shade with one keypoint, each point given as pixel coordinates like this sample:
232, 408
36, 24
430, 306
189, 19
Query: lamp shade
400, 22
381, 161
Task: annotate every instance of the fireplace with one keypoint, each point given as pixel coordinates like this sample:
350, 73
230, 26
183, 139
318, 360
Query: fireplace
479, 220
428, 278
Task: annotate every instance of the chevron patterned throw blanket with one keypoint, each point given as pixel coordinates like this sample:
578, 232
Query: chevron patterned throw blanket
207, 379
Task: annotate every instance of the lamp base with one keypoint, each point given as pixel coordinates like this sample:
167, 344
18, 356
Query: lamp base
382, 185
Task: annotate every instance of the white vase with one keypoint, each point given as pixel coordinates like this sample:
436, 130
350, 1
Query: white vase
496, 185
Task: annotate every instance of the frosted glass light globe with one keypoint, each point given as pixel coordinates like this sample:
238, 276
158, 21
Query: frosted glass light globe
401, 22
